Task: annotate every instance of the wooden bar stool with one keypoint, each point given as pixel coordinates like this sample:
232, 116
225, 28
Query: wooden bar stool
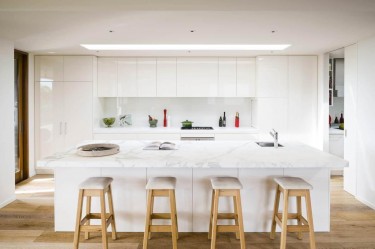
226, 186
293, 186
161, 187
95, 187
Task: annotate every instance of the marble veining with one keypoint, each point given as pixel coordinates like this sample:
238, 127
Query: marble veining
201, 154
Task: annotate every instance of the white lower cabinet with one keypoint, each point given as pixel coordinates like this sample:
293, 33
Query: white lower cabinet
65, 115
158, 136
114, 136
242, 136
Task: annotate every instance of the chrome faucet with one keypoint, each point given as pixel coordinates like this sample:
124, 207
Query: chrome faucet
275, 136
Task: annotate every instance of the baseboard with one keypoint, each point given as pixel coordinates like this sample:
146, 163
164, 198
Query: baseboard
365, 202
4, 203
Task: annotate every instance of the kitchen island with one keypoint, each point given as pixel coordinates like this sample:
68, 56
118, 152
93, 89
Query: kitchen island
193, 163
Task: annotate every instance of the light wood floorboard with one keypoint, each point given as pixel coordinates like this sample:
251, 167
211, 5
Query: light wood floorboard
28, 223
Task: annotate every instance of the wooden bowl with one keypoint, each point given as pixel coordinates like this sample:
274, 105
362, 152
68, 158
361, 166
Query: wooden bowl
97, 150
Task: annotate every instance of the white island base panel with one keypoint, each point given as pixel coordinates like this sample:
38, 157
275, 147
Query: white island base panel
193, 195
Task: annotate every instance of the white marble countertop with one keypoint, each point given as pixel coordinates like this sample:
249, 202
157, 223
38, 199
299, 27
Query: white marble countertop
335, 131
148, 130
201, 154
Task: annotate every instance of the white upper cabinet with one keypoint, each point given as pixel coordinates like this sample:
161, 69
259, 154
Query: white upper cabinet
166, 77
107, 77
197, 77
127, 77
146, 77
302, 98
272, 76
227, 77
49, 68
245, 77
78, 68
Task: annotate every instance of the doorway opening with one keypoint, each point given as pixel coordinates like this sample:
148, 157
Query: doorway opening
336, 105
21, 115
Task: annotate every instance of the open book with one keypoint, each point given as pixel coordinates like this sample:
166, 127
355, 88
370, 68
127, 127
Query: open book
160, 146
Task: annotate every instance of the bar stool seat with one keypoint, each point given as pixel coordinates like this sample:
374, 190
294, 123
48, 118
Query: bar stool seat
95, 187
161, 187
225, 182
161, 183
292, 183
96, 183
229, 187
293, 187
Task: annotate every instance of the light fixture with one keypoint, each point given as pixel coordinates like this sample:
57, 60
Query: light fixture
178, 47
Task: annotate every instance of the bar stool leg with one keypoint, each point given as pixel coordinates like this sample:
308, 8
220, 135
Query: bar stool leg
103, 220
112, 213
88, 210
214, 218
235, 207
299, 215
275, 212
211, 214
284, 220
175, 208
148, 217
151, 212
310, 219
172, 202
78, 221
240, 219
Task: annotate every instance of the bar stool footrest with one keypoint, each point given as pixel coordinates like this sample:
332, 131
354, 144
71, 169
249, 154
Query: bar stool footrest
161, 216
226, 216
227, 228
161, 228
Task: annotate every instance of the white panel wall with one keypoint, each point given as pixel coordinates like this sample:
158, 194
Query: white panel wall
350, 105
7, 151
365, 122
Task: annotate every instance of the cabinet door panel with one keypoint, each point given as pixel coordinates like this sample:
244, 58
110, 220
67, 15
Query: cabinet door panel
77, 112
107, 77
166, 77
246, 77
272, 76
227, 77
78, 68
51, 97
146, 77
49, 68
127, 77
197, 77
302, 98
270, 113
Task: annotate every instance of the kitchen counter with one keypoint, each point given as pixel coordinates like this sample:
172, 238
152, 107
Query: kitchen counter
146, 130
202, 154
335, 131
193, 164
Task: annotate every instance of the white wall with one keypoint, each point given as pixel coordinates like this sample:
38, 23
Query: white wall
202, 111
7, 151
365, 122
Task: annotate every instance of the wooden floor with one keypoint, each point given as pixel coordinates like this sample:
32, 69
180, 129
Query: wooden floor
28, 223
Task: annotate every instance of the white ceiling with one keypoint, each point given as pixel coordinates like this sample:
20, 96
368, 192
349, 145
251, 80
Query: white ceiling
310, 26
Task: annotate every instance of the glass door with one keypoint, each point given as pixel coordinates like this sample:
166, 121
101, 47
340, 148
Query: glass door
20, 116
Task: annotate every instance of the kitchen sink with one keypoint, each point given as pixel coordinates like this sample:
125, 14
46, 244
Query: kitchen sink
267, 144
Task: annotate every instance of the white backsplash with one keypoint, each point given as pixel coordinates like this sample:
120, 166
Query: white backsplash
202, 111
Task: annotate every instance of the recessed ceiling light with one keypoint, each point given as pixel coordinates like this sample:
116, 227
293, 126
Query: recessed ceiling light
111, 31
51, 52
273, 31
192, 31
192, 47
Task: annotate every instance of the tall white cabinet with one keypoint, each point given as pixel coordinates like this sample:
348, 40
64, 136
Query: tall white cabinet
287, 96
63, 102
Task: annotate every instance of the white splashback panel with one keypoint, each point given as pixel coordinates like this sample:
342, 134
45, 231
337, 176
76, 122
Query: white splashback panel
202, 111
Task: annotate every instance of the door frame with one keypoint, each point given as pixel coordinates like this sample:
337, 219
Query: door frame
23, 117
